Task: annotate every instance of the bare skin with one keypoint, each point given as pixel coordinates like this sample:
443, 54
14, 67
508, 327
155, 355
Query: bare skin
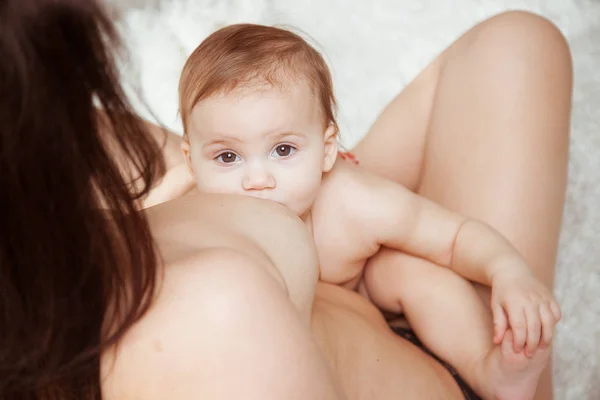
523, 138
471, 130
376, 220
231, 318
269, 141
371, 361
198, 264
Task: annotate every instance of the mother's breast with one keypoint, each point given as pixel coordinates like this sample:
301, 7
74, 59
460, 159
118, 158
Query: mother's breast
266, 232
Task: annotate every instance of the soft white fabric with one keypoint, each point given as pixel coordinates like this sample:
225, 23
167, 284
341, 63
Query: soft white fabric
374, 48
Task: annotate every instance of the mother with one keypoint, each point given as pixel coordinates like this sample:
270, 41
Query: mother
189, 299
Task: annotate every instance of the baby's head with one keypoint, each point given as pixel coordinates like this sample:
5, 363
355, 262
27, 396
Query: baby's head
257, 106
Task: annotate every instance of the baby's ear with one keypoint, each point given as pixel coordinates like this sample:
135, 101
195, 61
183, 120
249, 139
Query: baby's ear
185, 149
331, 147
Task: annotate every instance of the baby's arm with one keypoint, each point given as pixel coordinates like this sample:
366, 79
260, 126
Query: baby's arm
402, 220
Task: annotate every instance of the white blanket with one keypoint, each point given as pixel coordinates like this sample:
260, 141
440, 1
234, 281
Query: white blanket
374, 48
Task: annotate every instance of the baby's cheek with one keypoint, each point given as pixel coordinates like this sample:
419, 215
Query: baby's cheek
211, 182
307, 190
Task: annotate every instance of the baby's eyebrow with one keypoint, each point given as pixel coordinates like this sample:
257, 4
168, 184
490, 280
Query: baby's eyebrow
228, 140
279, 135
223, 140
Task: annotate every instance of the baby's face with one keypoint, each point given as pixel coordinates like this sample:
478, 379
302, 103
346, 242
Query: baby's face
268, 143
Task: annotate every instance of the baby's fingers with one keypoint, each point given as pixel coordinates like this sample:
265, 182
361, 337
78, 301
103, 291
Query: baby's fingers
548, 323
555, 310
533, 329
518, 324
500, 323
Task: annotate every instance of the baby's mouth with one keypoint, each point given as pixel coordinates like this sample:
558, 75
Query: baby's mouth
268, 199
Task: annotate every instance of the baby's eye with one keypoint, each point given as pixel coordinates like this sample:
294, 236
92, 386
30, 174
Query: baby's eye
227, 158
284, 150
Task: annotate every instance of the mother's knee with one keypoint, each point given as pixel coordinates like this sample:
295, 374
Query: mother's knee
524, 34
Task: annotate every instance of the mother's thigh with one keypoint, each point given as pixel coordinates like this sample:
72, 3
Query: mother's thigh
484, 131
394, 147
370, 360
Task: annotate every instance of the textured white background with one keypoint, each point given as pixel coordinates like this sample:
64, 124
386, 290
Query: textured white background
374, 48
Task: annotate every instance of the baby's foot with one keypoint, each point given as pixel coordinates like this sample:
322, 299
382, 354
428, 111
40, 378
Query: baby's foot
512, 376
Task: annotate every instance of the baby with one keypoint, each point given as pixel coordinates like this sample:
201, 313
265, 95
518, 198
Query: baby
257, 107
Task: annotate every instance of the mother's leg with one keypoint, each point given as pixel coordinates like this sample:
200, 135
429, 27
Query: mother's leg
484, 130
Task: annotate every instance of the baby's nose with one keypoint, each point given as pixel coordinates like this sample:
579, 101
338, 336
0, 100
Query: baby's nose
258, 178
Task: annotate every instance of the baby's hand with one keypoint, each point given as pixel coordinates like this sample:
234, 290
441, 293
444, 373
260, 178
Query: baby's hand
522, 301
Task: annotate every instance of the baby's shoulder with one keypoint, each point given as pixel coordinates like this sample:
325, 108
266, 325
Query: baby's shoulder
348, 188
341, 229
342, 205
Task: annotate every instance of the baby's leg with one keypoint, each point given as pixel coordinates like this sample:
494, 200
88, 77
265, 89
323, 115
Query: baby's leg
451, 319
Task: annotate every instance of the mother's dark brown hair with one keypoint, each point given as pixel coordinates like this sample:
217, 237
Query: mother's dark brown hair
67, 264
